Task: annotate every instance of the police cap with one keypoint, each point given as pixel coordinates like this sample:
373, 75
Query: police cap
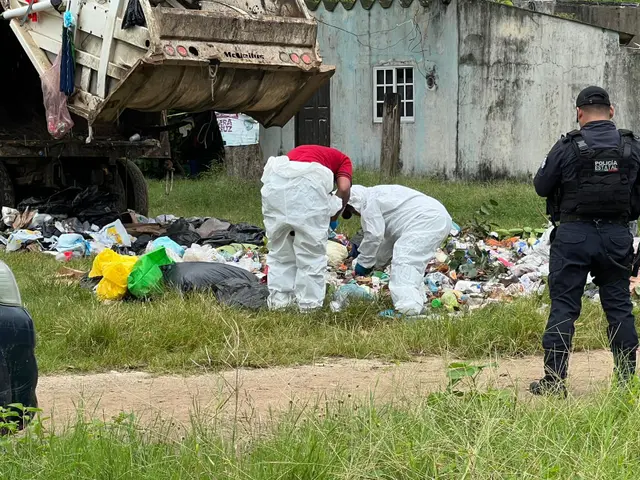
593, 96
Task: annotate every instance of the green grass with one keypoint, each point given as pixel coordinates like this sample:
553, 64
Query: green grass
488, 435
190, 334
485, 436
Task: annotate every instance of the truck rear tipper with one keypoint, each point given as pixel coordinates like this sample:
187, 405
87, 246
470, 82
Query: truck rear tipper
257, 57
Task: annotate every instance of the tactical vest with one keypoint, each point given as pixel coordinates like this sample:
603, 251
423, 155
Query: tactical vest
601, 189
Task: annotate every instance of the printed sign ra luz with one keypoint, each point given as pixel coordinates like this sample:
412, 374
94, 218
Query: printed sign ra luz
238, 129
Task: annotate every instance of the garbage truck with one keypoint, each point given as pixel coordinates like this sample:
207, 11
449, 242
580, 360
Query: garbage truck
132, 62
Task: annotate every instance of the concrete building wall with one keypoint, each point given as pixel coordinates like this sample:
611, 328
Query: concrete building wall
519, 75
506, 78
358, 40
624, 18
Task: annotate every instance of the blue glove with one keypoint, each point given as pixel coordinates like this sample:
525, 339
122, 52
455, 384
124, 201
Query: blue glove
361, 271
333, 225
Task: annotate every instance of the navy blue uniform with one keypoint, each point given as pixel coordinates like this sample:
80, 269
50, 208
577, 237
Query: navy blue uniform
602, 246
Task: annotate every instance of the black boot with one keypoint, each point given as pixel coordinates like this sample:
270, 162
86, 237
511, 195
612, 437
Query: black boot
549, 386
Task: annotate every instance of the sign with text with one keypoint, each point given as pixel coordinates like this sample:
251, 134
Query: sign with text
238, 129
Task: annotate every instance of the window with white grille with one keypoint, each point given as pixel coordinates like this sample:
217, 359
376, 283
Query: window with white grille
394, 80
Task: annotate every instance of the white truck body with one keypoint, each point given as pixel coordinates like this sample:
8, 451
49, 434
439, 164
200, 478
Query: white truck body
258, 57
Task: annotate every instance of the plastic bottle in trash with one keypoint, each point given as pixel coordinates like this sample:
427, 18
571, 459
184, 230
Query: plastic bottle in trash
436, 303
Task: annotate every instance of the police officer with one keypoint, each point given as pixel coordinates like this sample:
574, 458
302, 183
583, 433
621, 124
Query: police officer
589, 179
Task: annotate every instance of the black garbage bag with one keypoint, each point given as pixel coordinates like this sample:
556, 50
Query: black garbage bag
190, 276
57, 204
240, 233
182, 233
95, 206
237, 292
92, 205
134, 16
140, 245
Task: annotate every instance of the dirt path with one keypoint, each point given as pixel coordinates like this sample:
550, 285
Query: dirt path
261, 391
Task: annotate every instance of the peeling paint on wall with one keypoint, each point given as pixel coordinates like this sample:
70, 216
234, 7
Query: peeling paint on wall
495, 85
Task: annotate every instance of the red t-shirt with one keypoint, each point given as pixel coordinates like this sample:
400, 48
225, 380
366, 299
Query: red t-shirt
333, 159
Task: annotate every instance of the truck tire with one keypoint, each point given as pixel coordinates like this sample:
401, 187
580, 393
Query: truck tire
134, 186
7, 192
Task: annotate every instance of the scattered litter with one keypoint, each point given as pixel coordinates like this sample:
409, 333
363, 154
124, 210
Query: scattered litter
167, 243
72, 243
21, 238
113, 234
69, 275
349, 291
202, 253
143, 256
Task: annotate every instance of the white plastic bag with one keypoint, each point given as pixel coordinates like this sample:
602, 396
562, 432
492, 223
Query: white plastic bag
336, 254
18, 238
113, 234
202, 253
59, 121
9, 215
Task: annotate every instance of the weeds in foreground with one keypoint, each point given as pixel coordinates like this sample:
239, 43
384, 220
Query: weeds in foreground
475, 435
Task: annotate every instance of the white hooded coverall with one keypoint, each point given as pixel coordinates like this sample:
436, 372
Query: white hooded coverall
405, 227
297, 206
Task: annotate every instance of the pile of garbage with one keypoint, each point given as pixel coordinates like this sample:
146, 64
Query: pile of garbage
138, 257
466, 273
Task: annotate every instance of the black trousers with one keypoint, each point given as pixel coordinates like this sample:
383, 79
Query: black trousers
605, 250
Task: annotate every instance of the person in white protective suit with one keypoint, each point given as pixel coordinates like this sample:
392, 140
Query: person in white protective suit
405, 227
298, 206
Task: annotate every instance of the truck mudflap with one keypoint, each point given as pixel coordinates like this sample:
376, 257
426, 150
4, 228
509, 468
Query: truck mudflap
225, 57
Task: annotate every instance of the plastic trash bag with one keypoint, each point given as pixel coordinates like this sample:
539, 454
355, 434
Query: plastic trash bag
336, 253
39, 219
167, 243
237, 292
9, 216
19, 238
202, 253
59, 121
345, 292
146, 276
113, 234
171, 253
72, 242
134, 16
114, 270
240, 233
212, 225
200, 276
182, 233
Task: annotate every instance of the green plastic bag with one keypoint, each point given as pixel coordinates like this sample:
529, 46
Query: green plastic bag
146, 276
